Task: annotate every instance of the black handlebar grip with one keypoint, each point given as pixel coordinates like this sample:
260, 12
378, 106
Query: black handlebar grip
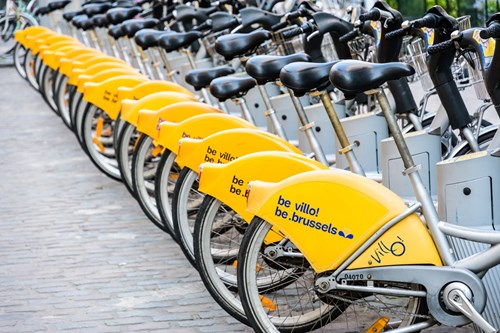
349, 36
428, 21
446, 45
493, 31
294, 15
204, 26
372, 15
279, 26
292, 33
395, 34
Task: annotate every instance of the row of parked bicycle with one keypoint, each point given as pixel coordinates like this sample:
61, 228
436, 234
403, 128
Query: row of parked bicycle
359, 213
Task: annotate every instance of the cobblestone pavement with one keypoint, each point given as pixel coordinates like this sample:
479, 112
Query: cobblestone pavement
76, 252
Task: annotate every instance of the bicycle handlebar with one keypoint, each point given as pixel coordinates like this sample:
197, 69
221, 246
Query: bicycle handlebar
349, 36
396, 34
493, 31
279, 26
446, 45
429, 21
292, 33
372, 15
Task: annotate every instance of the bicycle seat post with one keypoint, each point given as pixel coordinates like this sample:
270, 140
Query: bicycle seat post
347, 147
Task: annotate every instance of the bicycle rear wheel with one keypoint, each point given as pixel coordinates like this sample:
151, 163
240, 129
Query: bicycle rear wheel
144, 166
19, 58
185, 206
297, 307
217, 237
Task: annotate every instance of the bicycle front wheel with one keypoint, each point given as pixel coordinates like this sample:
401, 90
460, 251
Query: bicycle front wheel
8, 26
296, 306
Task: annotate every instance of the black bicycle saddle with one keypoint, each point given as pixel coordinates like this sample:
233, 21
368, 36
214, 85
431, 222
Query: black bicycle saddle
119, 15
264, 68
95, 9
236, 45
130, 27
303, 77
201, 78
175, 41
56, 5
68, 16
147, 38
100, 20
116, 31
354, 76
224, 88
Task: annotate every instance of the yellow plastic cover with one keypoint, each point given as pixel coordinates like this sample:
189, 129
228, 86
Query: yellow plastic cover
130, 108
149, 120
228, 145
98, 58
104, 94
103, 75
197, 127
330, 214
228, 182
20, 35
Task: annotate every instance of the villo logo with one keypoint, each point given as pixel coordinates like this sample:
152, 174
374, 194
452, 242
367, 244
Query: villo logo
397, 248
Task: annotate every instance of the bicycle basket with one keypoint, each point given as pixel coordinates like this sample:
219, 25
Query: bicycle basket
417, 53
287, 46
476, 77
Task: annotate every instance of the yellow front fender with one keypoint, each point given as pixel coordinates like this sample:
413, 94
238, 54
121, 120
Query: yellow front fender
197, 127
78, 66
71, 54
66, 64
226, 146
96, 69
29, 40
52, 56
329, 214
105, 94
228, 182
150, 87
130, 108
149, 120
145, 89
40, 43
103, 75
20, 35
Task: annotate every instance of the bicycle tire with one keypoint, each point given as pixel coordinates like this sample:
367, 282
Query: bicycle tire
144, 166
101, 153
484, 139
215, 256
186, 202
166, 178
310, 311
62, 94
29, 69
46, 83
124, 148
19, 59
82, 108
